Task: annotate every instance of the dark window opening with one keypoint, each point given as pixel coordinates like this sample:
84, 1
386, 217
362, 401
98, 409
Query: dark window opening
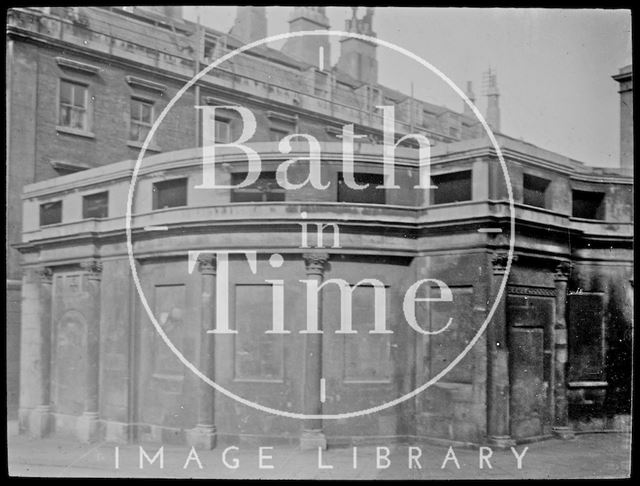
170, 194
222, 130
95, 205
588, 205
265, 189
452, 187
534, 191
277, 134
51, 213
370, 195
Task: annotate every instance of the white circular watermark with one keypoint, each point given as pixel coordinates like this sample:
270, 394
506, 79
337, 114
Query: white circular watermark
190, 365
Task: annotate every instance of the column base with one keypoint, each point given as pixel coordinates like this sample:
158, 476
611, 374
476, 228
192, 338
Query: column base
88, 427
202, 437
565, 433
501, 441
37, 423
312, 439
119, 432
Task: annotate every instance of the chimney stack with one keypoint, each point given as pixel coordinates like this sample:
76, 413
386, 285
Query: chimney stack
357, 56
472, 97
307, 48
171, 12
250, 24
625, 78
493, 96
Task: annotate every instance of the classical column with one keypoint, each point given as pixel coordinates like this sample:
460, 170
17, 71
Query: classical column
561, 413
312, 435
203, 436
498, 360
88, 425
35, 361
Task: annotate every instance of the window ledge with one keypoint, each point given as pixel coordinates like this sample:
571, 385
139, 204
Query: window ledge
75, 131
587, 384
259, 380
589, 220
138, 145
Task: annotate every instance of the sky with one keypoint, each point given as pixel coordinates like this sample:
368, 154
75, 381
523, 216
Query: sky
553, 66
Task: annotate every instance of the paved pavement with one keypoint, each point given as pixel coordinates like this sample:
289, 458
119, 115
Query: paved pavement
587, 456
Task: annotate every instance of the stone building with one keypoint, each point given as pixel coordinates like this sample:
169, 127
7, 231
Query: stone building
555, 357
123, 65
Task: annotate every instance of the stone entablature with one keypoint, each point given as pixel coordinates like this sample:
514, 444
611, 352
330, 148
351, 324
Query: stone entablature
401, 209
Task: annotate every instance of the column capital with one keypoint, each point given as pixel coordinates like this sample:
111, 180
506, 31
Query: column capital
45, 274
93, 268
315, 262
207, 264
562, 272
499, 261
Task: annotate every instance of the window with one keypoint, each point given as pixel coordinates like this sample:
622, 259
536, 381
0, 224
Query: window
277, 134
223, 130
170, 194
452, 187
50, 213
73, 105
266, 188
280, 125
587, 204
141, 119
370, 195
258, 356
534, 191
95, 205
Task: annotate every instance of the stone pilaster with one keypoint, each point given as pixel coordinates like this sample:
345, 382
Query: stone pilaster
88, 425
35, 416
312, 433
203, 436
561, 426
498, 429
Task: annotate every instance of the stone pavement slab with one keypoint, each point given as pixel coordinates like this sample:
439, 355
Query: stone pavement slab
587, 456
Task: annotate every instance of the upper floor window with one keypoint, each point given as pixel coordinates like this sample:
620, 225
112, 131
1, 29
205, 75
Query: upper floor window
534, 191
369, 195
51, 213
266, 188
280, 125
278, 133
223, 130
170, 194
73, 109
95, 205
141, 119
451, 187
587, 204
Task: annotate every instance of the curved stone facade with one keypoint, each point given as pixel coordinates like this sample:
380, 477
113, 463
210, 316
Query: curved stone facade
131, 387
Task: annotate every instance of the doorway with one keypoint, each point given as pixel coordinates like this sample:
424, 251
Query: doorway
531, 316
